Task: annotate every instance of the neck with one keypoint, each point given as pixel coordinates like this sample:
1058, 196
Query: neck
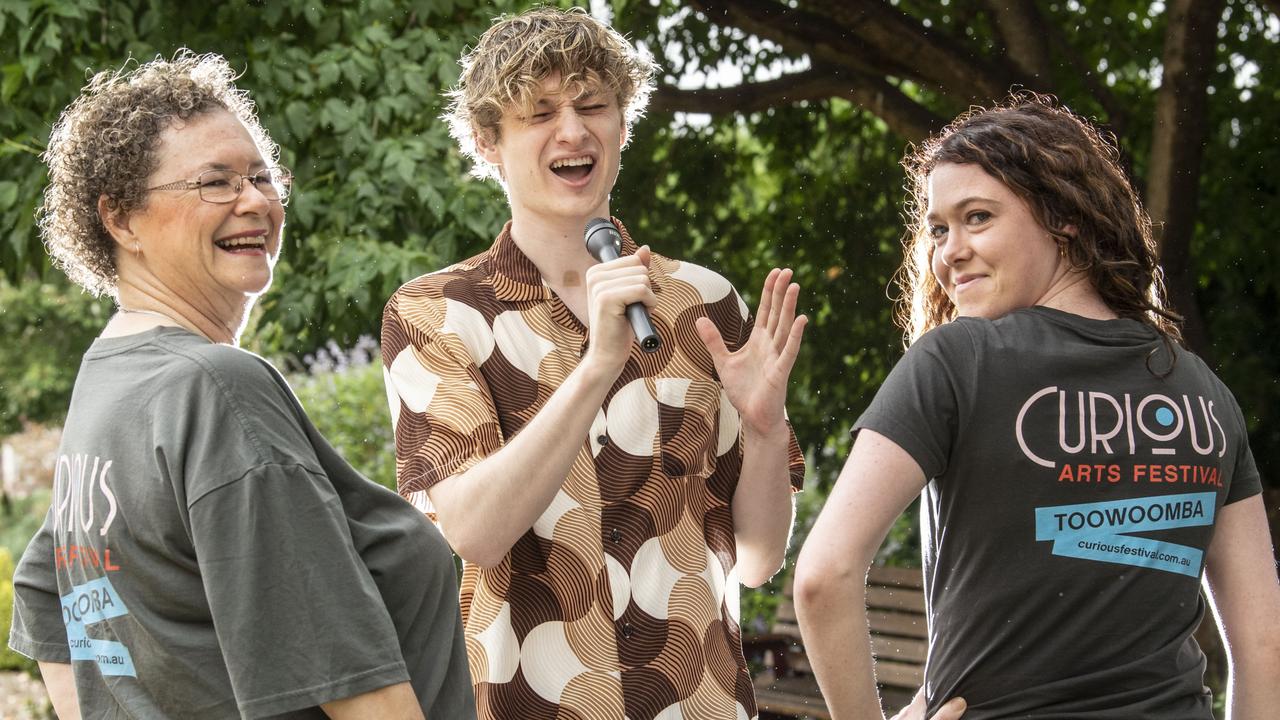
555, 245
1075, 294
218, 322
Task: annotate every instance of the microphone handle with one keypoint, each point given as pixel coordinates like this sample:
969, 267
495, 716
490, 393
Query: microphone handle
637, 313
643, 327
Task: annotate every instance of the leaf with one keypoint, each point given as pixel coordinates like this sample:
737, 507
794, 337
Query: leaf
378, 34
30, 66
337, 115
51, 38
11, 82
20, 9
8, 194
313, 11
301, 119
328, 74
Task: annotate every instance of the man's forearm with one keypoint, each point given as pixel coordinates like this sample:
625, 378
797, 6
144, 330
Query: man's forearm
762, 506
485, 510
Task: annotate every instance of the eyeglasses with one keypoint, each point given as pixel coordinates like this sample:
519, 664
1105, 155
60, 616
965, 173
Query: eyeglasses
224, 186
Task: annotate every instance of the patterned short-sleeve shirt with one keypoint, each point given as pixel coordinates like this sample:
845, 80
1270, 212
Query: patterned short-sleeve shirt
621, 600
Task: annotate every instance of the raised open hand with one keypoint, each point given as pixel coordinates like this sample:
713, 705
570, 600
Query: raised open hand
755, 377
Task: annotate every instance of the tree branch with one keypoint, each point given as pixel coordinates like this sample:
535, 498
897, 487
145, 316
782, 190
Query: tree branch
904, 116
868, 37
1022, 28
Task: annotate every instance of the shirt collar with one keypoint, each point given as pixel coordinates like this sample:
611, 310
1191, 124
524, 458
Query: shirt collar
516, 278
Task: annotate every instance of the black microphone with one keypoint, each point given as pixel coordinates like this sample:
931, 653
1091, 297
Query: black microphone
604, 242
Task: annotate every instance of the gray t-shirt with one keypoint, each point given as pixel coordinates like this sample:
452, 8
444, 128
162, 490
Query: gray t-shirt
209, 555
1072, 496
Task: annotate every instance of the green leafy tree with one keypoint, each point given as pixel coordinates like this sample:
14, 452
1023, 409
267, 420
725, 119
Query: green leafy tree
352, 92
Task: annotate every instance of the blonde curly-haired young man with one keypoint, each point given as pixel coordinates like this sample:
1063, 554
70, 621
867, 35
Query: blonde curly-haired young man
606, 501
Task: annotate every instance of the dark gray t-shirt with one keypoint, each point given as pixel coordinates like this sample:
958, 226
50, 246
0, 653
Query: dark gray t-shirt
1072, 497
209, 555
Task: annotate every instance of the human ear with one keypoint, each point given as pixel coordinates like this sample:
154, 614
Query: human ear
117, 223
487, 146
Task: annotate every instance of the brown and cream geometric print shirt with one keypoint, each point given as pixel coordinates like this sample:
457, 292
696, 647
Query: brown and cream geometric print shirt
621, 601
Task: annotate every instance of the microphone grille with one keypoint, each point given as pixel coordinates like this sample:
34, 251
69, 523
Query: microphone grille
599, 234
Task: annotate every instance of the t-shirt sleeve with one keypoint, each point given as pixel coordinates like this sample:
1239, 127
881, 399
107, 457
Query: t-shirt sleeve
918, 407
37, 630
1246, 481
298, 618
444, 418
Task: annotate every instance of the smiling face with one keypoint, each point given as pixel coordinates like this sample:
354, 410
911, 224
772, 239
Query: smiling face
560, 159
990, 255
216, 257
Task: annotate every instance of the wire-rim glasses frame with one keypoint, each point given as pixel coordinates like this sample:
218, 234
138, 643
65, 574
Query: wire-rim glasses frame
224, 186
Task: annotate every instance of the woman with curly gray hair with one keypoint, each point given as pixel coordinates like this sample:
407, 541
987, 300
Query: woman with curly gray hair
208, 554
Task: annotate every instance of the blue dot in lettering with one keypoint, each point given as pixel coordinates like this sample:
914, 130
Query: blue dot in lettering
1164, 416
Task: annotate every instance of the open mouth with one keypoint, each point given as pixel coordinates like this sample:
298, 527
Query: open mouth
573, 169
251, 245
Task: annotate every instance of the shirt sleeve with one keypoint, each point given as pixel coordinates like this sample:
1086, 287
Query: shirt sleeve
444, 417
37, 630
298, 617
918, 407
1246, 481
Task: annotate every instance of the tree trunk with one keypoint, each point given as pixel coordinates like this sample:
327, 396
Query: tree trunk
1177, 148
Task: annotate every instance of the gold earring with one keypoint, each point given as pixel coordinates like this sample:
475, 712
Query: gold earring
137, 248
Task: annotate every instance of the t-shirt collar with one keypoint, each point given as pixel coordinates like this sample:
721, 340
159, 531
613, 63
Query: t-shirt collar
516, 278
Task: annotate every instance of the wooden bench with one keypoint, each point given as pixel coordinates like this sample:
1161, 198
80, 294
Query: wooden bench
895, 609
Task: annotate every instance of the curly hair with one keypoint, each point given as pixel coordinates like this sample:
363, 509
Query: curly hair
105, 142
506, 68
1069, 174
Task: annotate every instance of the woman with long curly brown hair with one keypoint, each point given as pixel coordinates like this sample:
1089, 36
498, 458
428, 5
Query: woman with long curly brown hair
1082, 471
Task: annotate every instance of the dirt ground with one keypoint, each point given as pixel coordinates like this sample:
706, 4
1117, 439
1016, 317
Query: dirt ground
22, 698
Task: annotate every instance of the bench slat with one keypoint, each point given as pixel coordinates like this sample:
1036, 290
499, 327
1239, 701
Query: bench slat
896, 623
902, 649
895, 598
896, 577
793, 696
898, 674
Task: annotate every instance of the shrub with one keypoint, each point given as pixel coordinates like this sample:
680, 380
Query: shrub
46, 329
9, 660
344, 395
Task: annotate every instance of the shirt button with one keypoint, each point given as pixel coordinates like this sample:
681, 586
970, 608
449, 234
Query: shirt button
628, 630
615, 536
603, 439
